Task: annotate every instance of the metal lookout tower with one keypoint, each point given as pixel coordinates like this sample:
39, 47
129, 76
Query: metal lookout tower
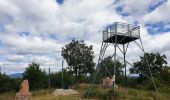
119, 35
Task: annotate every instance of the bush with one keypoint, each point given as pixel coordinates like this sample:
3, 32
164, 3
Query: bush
112, 96
56, 79
91, 92
36, 77
5, 83
8, 84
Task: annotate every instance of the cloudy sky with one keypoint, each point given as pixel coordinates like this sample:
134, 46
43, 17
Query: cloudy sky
35, 30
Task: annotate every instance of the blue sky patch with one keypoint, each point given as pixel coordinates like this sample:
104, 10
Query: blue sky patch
60, 1
69, 38
1, 44
155, 4
53, 36
158, 27
120, 11
1, 28
80, 20
135, 22
23, 34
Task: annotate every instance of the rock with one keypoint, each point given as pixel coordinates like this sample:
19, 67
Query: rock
65, 92
23, 93
107, 82
24, 87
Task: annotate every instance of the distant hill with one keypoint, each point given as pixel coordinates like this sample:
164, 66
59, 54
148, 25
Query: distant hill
16, 75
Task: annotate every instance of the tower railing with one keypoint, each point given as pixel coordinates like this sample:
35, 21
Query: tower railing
123, 29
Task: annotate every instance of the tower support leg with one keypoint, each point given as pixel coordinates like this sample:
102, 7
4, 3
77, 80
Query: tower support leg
97, 70
146, 59
124, 60
115, 62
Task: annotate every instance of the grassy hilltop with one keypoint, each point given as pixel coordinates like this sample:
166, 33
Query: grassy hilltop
99, 94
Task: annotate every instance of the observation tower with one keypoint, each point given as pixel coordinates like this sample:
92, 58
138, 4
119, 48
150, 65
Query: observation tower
120, 35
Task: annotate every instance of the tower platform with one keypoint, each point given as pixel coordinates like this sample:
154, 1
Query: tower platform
125, 33
121, 39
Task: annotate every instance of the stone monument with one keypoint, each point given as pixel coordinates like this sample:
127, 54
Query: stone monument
23, 93
107, 82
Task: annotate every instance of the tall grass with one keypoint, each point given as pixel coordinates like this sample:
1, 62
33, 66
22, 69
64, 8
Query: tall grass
128, 94
100, 94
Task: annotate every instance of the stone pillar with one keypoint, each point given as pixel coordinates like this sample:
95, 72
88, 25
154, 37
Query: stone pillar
106, 82
23, 93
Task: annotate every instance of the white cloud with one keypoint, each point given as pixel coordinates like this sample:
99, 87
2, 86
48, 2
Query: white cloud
10, 67
160, 14
134, 6
15, 58
30, 44
82, 19
43, 60
48, 17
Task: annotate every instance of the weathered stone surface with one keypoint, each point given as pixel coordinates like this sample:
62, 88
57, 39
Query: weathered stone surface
23, 93
64, 92
107, 82
24, 87
26, 96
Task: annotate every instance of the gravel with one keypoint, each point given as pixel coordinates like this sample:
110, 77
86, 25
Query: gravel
65, 92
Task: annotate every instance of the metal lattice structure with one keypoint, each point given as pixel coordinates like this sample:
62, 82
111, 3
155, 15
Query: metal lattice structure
125, 33
120, 34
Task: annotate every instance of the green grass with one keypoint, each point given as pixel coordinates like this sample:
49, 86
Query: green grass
7, 96
47, 95
101, 93
130, 94
51, 97
40, 95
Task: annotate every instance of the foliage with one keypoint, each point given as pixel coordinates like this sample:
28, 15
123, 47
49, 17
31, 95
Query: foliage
126, 94
99, 94
156, 62
36, 77
159, 69
79, 58
165, 76
91, 92
106, 69
133, 82
8, 84
107, 65
4, 83
56, 79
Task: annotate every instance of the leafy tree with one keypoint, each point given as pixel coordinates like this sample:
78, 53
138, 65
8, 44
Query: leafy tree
8, 84
79, 58
4, 83
56, 80
107, 65
165, 76
36, 77
156, 62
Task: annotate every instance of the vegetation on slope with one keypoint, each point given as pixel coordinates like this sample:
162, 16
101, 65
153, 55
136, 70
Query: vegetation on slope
100, 94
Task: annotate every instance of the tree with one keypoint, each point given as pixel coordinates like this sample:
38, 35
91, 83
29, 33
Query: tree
36, 77
166, 76
56, 80
8, 84
107, 65
5, 83
79, 58
156, 62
